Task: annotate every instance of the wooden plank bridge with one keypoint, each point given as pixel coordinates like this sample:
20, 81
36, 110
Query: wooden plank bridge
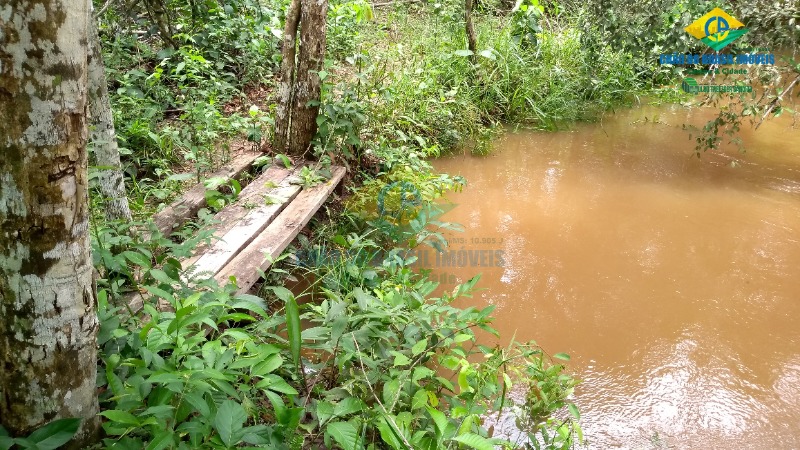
255, 229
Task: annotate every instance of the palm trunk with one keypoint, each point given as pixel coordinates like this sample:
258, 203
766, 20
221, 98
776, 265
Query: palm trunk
103, 136
48, 323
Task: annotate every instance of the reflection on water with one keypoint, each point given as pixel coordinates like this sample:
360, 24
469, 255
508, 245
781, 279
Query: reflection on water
671, 280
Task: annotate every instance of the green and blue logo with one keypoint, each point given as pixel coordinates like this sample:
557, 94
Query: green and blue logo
716, 29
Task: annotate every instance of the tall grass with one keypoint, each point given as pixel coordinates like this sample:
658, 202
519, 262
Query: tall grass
435, 94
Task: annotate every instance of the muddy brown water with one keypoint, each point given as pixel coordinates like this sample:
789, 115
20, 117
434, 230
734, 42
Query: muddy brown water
672, 281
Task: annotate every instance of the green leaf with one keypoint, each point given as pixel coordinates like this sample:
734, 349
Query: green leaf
463, 52
439, 419
419, 347
475, 441
563, 356
267, 366
391, 391
347, 406
400, 359
488, 53
344, 433
158, 292
285, 160
161, 276
162, 440
230, 418
275, 383
55, 434
137, 258
574, 411
325, 411
293, 329
122, 417
420, 399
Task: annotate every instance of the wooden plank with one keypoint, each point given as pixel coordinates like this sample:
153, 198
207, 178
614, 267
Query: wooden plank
246, 229
278, 235
175, 215
230, 215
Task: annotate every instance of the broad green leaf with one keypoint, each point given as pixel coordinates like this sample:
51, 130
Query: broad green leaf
344, 433
275, 383
391, 391
325, 411
439, 419
475, 441
574, 411
347, 406
488, 53
463, 52
162, 440
137, 258
420, 399
293, 330
400, 359
55, 434
267, 366
285, 160
256, 435
161, 276
419, 347
563, 356
122, 417
230, 418
420, 373
282, 293
389, 434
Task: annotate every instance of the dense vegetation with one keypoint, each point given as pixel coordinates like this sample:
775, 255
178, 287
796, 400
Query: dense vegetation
373, 359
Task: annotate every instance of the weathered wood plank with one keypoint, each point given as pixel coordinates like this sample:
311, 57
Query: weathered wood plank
252, 194
247, 228
175, 215
278, 235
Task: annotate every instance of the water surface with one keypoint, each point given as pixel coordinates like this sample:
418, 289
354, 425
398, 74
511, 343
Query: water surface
672, 281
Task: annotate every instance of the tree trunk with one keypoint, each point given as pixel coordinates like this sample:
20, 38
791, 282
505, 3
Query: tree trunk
286, 83
48, 323
103, 136
472, 39
159, 15
308, 84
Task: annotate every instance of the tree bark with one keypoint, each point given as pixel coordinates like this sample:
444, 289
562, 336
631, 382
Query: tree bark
48, 323
286, 82
472, 39
308, 85
103, 136
159, 15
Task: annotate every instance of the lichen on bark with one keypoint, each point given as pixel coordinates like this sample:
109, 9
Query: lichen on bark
48, 322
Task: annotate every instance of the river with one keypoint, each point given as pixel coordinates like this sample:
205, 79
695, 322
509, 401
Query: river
672, 281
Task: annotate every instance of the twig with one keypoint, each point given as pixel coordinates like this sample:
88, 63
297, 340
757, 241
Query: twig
103, 9
776, 101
